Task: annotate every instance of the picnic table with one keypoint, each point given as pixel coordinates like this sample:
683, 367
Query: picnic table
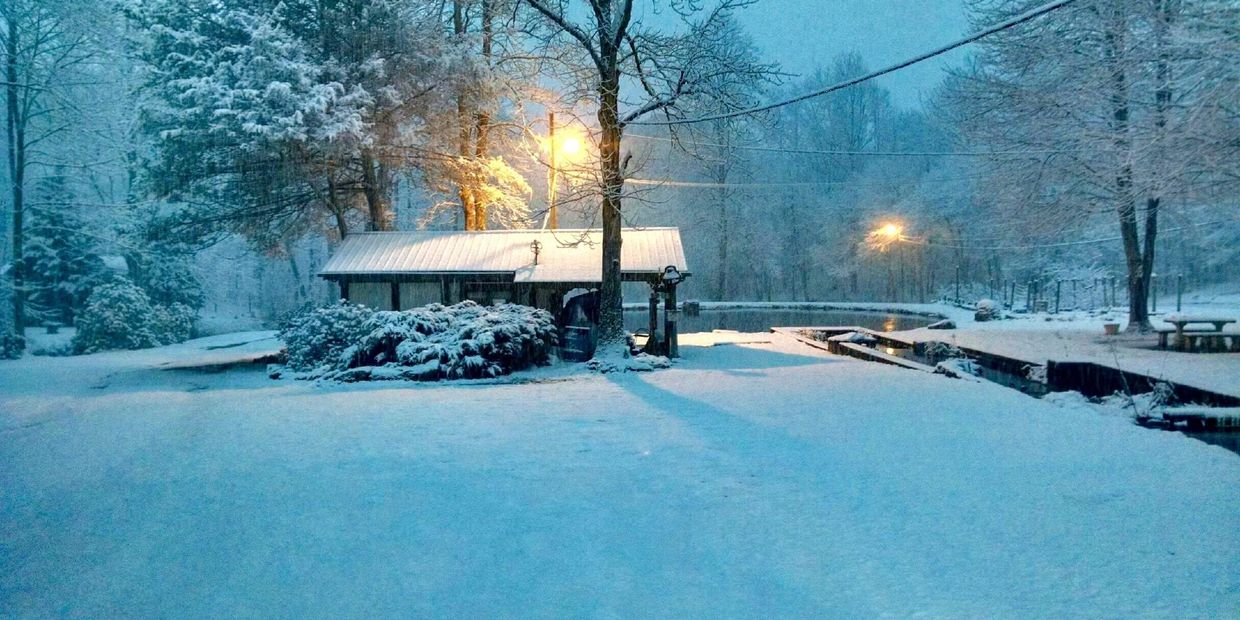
1187, 338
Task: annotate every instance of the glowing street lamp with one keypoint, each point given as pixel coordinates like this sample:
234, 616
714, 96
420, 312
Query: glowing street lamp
570, 147
882, 237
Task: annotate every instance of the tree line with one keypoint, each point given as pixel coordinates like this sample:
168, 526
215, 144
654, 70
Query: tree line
151, 129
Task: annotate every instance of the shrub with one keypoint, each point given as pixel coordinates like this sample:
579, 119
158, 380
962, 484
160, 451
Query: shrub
317, 337
463, 341
119, 315
11, 345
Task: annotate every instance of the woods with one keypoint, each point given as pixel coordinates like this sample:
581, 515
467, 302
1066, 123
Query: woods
256, 134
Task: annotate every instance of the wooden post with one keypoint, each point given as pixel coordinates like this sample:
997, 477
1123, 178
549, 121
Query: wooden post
669, 320
957, 284
552, 217
1153, 293
1029, 296
654, 318
395, 295
344, 290
1076, 305
1112, 290
1058, 290
1179, 291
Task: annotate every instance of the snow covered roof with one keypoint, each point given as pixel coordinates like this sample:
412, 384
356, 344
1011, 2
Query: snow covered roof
564, 255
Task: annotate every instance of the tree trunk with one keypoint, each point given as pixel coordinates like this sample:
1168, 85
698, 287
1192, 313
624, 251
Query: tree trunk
1162, 101
292, 265
376, 195
1138, 311
611, 318
482, 124
338, 210
16, 141
721, 287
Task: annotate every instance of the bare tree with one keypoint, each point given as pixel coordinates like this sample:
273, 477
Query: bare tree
1128, 114
665, 69
42, 45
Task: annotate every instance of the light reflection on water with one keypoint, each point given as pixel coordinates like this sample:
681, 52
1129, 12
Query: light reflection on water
753, 320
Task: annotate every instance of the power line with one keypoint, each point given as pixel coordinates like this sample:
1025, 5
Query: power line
712, 185
772, 149
1019, 19
1039, 246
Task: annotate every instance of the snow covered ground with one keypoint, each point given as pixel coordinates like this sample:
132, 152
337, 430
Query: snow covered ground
760, 478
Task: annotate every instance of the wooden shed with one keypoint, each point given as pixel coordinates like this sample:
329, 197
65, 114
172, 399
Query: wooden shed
402, 270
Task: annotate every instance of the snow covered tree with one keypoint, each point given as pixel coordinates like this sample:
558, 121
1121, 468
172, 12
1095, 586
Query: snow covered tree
274, 118
59, 259
715, 146
120, 315
487, 72
608, 48
41, 43
1131, 113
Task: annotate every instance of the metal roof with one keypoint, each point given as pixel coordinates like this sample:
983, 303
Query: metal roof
564, 255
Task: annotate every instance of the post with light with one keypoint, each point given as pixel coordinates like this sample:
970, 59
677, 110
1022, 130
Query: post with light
552, 220
670, 278
571, 146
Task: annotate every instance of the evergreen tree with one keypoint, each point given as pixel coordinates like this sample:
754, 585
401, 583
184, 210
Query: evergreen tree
274, 118
59, 259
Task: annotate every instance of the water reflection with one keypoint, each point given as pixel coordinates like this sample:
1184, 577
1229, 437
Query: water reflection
752, 320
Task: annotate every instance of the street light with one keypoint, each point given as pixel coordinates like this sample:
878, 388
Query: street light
670, 277
568, 145
882, 237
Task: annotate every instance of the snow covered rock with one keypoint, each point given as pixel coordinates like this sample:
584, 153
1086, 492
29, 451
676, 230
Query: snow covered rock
641, 362
987, 310
854, 337
958, 368
944, 324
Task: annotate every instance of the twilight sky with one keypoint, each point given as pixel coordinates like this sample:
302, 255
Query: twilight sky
802, 34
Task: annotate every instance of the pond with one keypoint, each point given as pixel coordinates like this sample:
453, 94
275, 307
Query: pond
760, 320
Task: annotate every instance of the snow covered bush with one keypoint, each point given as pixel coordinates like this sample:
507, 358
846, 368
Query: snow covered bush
463, 341
317, 337
120, 315
11, 345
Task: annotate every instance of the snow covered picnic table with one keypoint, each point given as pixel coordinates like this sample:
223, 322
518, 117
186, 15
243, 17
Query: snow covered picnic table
759, 479
1187, 339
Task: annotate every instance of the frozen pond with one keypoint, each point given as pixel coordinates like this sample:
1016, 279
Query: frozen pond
759, 320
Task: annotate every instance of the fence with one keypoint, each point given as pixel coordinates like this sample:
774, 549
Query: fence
1060, 295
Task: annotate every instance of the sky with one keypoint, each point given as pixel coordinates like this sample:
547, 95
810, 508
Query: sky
803, 34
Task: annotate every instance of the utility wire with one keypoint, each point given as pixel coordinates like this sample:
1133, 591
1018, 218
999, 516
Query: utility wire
773, 149
1019, 19
1038, 246
710, 185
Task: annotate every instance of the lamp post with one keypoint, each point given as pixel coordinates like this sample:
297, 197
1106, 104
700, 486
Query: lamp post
552, 219
571, 146
670, 278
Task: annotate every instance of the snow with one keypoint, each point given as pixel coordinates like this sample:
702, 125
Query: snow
1078, 337
751, 479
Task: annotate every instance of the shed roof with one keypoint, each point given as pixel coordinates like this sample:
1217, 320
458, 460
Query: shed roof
564, 255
